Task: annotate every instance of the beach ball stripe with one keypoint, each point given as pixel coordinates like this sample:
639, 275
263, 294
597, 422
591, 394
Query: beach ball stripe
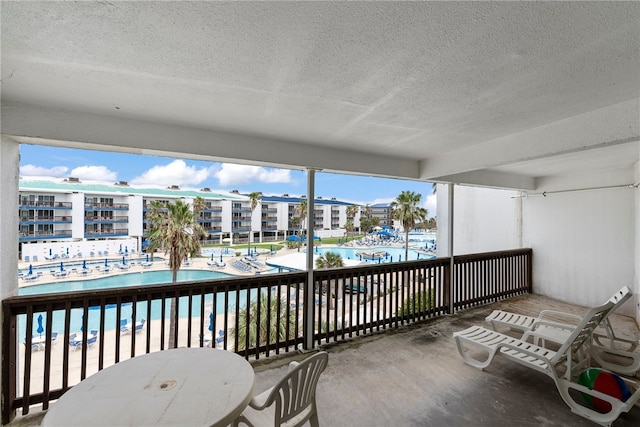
604, 382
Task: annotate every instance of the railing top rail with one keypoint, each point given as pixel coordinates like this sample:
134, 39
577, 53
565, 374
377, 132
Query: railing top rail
494, 254
78, 299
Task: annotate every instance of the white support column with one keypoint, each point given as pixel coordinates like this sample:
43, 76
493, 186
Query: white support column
451, 260
445, 234
9, 178
308, 292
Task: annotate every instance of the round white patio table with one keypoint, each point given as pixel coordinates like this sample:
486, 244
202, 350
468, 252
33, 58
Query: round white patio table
184, 386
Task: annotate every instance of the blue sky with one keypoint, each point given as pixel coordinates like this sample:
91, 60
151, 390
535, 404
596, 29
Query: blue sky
103, 166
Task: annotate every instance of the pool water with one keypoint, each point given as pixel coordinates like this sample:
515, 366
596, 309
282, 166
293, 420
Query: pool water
395, 253
125, 280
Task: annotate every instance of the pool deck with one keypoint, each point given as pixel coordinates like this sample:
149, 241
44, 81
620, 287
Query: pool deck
290, 259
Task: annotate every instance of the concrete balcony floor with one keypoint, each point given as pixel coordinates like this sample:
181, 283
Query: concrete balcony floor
414, 376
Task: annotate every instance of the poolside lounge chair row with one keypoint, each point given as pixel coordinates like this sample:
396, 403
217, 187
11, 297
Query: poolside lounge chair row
241, 266
38, 343
126, 326
76, 340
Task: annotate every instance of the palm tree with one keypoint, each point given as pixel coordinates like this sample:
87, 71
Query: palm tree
352, 210
329, 260
365, 219
255, 197
349, 227
365, 224
366, 211
156, 214
301, 209
270, 312
198, 206
406, 209
176, 230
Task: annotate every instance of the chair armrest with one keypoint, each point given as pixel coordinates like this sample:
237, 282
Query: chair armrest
550, 323
556, 313
259, 401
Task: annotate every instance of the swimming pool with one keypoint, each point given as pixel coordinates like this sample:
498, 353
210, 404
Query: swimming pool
394, 253
129, 279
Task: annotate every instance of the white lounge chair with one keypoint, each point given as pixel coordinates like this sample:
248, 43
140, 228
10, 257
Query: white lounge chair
292, 401
563, 365
610, 351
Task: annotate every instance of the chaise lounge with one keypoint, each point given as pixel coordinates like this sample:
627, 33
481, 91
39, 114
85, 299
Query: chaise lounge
563, 365
609, 350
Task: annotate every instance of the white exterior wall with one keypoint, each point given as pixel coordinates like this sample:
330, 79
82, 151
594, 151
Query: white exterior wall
226, 216
256, 221
583, 244
485, 220
77, 213
136, 215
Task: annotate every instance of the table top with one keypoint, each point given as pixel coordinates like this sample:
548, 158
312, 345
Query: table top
184, 386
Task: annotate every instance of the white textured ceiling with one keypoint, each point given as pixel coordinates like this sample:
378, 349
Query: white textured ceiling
489, 93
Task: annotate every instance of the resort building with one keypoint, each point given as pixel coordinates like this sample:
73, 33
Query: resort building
72, 211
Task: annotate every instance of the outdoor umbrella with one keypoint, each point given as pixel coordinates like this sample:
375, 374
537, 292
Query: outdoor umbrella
106, 262
294, 238
147, 257
124, 261
220, 256
61, 266
211, 321
84, 264
316, 238
40, 329
30, 269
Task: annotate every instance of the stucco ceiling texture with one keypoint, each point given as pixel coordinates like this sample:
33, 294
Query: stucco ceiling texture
478, 92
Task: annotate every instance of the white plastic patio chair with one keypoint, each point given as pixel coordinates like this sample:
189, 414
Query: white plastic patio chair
563, 365
292, 401
556, 326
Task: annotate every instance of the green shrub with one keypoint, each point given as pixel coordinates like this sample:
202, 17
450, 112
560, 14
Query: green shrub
418, 303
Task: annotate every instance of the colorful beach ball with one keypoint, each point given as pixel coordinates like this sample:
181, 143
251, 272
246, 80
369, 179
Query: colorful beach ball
604, 382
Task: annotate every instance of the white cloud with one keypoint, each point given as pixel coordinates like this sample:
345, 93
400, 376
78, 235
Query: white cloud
94, 173
431, 205
33, 170
175, 173
232, 174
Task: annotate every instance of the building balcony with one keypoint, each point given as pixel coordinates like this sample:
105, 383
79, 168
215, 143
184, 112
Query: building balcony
107, 220
217, 209
118, 232
46, 219
44, 235
31, 204
105, 206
